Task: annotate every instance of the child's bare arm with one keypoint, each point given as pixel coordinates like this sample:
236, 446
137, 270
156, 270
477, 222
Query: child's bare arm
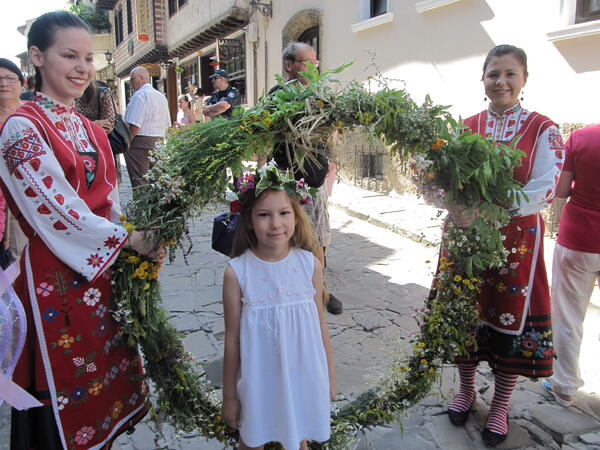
232, 306
317, 281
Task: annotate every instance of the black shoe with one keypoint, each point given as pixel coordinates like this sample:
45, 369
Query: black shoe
458, 418
334, 306
491, 438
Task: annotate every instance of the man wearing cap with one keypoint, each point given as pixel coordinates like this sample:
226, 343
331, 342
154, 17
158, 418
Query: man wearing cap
224, 98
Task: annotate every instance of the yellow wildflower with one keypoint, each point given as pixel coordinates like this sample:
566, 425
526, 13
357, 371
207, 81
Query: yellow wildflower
267, 121
457, 278
147, 286
129, 227
169, 242
420, 344
457, 291
144, 265
439, 144
423, 361
122, 218
133, 259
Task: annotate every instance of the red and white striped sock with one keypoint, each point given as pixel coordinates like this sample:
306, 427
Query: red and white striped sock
466, 394
497, 420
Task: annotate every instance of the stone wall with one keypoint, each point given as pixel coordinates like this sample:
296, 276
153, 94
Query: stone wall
366, 162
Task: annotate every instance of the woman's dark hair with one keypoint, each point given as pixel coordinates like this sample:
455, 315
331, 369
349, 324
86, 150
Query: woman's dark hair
91, 93
502, 50
42, 32
8, 64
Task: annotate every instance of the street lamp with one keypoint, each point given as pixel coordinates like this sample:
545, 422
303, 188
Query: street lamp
108, 55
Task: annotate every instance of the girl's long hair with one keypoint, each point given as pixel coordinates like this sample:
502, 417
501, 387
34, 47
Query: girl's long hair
303, 237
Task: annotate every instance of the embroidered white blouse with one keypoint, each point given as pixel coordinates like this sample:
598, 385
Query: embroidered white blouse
86, 242
546, 166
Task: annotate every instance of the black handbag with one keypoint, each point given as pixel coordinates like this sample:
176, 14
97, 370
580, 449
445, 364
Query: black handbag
120, 137
224, 226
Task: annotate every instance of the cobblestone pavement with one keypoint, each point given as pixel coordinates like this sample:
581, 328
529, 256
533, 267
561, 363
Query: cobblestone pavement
379, 274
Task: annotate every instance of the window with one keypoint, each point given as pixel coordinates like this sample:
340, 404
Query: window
378, 7
189, 75
232, 53
311, 37
587, 10
175, 5
172, 7
129, 18
118, 26
371, 165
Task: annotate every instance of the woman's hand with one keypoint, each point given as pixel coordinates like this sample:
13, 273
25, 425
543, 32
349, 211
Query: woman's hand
230, 411
139, 242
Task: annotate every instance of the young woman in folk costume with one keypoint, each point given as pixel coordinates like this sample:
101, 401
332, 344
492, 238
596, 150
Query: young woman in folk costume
58, 177
514, 336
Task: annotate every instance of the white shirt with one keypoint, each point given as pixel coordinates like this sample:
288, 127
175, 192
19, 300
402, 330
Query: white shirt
148, 109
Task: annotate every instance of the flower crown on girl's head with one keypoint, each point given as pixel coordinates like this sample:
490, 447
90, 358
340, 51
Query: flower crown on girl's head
270, 177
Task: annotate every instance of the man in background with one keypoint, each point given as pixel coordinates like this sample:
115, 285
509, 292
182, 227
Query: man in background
148, 117
224, 98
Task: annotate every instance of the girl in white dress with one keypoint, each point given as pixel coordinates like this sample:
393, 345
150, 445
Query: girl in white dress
278, 375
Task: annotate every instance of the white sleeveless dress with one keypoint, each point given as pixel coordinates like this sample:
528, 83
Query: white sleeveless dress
283, 384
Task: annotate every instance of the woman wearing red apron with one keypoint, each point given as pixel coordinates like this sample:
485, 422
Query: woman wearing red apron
515, 334
59, 179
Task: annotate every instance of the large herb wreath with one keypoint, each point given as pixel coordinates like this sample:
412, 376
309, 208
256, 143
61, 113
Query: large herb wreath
448, 162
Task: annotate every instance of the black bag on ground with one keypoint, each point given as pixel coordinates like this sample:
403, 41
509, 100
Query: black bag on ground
224, 226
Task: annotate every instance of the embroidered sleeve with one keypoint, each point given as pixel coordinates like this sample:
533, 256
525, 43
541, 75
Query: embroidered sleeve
107, 110
545, 172
84, 241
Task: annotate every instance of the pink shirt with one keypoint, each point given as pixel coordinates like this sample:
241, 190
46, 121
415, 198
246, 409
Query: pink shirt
579, 227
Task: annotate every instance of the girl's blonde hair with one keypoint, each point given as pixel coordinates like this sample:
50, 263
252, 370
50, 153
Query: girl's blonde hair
303, 237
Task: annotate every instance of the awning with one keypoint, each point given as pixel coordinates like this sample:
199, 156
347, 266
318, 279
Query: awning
154, 55
233, 20
104, 4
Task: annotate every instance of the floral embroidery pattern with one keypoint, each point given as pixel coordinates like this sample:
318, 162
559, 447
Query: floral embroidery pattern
61, 402
65, 341
116, 409
44, 289
92, 296
95, 260
96, 388
506, 319
534, 344
84, 435
112, 242
50, 314
85, 364
101, 311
